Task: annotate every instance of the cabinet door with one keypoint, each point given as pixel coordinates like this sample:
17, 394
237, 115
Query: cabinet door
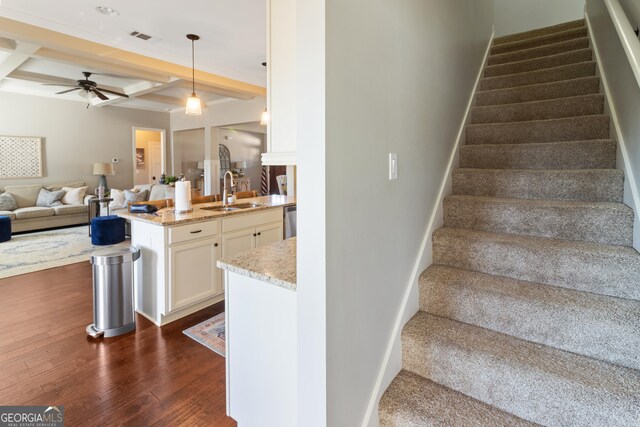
238, 241
269, 233
193, 275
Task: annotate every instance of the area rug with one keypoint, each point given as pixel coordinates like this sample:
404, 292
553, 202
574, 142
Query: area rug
210, 333
26, 253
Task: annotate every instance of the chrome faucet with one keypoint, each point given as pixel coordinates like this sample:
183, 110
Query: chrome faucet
224, 191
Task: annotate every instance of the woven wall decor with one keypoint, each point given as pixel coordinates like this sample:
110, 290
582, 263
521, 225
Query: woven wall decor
20, 157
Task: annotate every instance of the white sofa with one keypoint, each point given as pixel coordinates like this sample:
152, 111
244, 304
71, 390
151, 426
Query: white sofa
154, 192
28, 216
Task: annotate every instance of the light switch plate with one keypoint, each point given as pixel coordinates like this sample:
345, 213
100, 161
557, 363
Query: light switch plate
393, 166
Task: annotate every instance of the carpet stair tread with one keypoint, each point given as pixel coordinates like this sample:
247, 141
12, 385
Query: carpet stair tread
547, 75
535, 382
579, 23
412, 400
581, 105
597, 222
596, 185
590, 154
542, 40
540, 91
545, 62
579, 322
591, 267
578, 128
537, 52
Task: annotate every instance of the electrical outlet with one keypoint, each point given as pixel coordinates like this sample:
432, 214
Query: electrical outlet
393, 166
114, 160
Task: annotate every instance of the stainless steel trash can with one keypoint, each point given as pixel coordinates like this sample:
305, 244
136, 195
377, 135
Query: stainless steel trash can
113, 311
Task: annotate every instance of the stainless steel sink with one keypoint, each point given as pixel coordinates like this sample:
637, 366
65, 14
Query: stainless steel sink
220, 208
231, 208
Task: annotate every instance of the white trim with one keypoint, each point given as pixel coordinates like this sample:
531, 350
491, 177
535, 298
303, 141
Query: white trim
628, 171
627, 36
416, 271
279, 159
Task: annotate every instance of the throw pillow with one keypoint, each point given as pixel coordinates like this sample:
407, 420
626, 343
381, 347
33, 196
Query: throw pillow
47, 199
7, 202
74, 196
118, 199
132, 197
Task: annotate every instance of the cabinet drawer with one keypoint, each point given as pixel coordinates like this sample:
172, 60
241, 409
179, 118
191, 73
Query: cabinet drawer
184, 233
238, 222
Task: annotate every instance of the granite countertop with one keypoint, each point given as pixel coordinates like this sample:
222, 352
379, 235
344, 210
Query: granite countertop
167, 216
274, 264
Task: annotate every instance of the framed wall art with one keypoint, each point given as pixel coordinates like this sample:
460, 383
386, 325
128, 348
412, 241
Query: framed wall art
20, 157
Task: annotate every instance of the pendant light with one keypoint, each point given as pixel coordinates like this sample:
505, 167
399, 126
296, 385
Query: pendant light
194, 108
265, 118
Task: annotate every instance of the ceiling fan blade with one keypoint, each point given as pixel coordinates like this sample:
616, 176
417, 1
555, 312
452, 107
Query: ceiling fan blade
67, 91
55, 84
100, 95
113, 93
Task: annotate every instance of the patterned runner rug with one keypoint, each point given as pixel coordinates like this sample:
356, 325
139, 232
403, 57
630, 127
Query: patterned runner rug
210, 333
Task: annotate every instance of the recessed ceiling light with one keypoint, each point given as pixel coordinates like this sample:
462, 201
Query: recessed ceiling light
107, 11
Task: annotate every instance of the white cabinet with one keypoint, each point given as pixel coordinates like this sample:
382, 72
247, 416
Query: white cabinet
269, 233
281, 83
246, 232
177, 274
193, 275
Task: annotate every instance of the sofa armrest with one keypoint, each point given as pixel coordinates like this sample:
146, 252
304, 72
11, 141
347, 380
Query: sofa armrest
89, 197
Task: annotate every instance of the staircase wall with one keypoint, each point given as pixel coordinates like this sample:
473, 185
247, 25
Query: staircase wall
399, 77
514, 16
623, 102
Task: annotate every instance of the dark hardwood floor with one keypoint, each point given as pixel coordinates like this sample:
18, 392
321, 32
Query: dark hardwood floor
155, 376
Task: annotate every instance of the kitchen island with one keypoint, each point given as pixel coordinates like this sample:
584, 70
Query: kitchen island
177, 272
261, 335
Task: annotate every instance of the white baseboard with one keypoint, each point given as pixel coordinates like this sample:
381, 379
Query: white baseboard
632, 198
423, 260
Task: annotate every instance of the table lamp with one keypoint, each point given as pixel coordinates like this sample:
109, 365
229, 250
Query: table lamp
103, 169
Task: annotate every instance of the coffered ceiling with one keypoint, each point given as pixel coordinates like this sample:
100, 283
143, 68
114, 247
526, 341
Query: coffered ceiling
54, 42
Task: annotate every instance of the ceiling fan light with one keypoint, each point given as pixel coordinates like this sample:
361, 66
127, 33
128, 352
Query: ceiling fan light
194, 107
265, 118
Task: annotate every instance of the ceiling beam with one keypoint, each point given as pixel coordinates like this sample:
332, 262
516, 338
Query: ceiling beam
7, 44
207, 88
68, 47
136, 90
162, 99
22, 52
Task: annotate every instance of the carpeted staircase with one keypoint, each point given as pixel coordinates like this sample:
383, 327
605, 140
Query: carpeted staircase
530, 313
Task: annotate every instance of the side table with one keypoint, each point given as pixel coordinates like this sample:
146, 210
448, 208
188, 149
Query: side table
94, 206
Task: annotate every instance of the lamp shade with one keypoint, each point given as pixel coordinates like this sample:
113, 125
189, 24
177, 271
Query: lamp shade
240, 165
194, 108
103, 169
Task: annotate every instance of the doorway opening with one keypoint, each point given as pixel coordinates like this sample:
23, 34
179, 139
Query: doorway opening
148, 155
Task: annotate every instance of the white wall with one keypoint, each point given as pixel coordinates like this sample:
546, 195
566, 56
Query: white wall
624, 97
76, 137
515, 16
398, 81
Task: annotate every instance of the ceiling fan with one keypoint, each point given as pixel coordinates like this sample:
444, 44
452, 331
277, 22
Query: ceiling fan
87, 88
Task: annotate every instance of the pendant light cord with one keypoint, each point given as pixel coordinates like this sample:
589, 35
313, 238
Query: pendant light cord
193, 67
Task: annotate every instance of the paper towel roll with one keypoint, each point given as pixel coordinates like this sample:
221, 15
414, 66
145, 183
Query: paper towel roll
183, 196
